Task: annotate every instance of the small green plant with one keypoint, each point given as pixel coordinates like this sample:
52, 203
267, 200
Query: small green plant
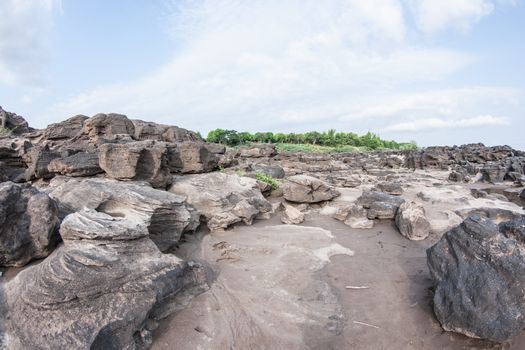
267, 179
5, 132
221, 169
239, 172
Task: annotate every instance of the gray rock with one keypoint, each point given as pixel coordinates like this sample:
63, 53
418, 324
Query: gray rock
307, 189
380, 205
138, 161
191, 158
479, 271
493, 172
13, 122
291, 215
28, 224
456, 176
159, 132
275, 171
354, 216
165, 214
412, 222
258, 150
38, 159
392, 188
522, 195
78, 164
223, 199
105, 288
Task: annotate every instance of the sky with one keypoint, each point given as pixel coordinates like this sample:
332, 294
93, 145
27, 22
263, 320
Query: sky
438, 72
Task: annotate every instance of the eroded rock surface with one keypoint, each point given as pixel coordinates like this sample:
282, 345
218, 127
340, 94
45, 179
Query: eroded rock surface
223, 199
479, 271
380, 205
28, 224
104, 288
307, 189
412, 222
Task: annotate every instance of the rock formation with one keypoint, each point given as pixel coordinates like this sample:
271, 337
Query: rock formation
307, 189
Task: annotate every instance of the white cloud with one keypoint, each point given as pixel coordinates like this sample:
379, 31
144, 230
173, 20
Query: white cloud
25, 26
436, 123
432, 16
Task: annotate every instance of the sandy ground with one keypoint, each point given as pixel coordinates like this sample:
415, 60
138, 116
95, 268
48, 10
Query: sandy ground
394, 312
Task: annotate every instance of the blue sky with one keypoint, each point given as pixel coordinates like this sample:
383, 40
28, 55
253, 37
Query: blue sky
433, 71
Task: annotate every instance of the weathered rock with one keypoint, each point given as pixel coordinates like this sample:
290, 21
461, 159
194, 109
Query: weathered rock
392, 188
103, 127
291, 215
354, 216
412, 222
13, 122
159, 132
191, 158
495, 214
380, 205
522, 195
105, 288
38, 159
165, 214
139, 161
12, 154
479, 270
493, 172
456, 176
28, 224
67, 129
275, 171
78, 164
307, 189
223, 199
258, 150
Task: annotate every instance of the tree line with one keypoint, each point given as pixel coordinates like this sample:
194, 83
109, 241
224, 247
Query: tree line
330, 138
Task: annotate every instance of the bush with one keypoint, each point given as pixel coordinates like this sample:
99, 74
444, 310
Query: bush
267, 179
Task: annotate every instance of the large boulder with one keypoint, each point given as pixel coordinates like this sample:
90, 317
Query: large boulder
159, 132
68, 129
380, 205
223, 199
28, 224
78, 164
479, 271
307, 189
191, 158
139, 161
494, 172
38, 159
412, 222
13, 154
103, 127
13, 122
105, 288
165, 214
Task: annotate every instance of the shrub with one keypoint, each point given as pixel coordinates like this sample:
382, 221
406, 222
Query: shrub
267, 179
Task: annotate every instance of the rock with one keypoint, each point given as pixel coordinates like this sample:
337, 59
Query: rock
522, 195
493, 172
258, 150
12, 154
478, 193
307, 189
159, 132
479, 271
165, 214
380, 205
38, 159
103, 127
291, 215
78, 164
67, 129
456, 176
412, 222
139, 161
14, 123
223, 199
28, 224
392, 188
191, 158
105, 288
275, 171
495, 214
354, 216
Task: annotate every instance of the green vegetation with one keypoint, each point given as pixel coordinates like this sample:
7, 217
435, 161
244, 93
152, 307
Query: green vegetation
267, 179
5, 132
331, 140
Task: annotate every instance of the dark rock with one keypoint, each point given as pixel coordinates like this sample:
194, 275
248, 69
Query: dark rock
38, 159
67, 129
28, 224
14, 123
79, 164
479, 270
258, 150
493, 172
139, 161
456, 176
191, 158
106, 127
105, 288
159, 132
392, 188
380, 205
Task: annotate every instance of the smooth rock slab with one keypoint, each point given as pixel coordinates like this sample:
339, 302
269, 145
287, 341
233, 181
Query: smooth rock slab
307, 189
28, 224
479, 271
100, 290
165, 214
223, 199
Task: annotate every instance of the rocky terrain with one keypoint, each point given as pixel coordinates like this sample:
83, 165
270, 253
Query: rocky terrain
125, 234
